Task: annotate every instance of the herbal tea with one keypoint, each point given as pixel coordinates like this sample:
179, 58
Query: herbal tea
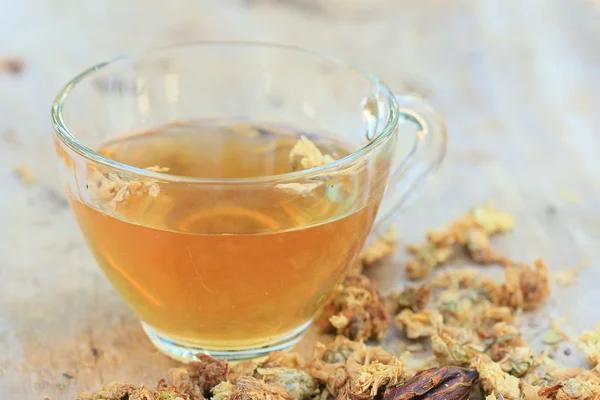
226, 266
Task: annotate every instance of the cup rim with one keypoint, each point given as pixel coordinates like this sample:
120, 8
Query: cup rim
63, 132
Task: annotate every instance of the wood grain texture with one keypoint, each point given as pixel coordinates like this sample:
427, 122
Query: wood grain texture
518, 82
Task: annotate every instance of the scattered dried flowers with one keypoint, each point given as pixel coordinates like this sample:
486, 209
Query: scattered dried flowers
467, 320
472, 232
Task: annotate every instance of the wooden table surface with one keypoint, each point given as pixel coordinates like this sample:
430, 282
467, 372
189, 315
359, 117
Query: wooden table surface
517, 80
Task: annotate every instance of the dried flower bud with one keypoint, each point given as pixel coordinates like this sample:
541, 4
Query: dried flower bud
298, 383
415, 298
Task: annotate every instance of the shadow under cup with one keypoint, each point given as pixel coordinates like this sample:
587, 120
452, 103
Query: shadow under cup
234, 267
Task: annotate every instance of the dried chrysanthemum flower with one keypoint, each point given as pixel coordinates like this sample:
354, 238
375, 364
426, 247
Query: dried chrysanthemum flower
456, 311
502, 340
490, 313
524, 287
111, 188
305, 154
494, 380
355, 310
479, 248
492, 220
381, 247
328, 363
472, 231
549, 372
208, 371
242, 368
333, 376
418, 325
168, 394
517, 361
144, 393
373, 377
339, 365
589, 343
456, 278
200, 376
337, 352
414, 298
470, 306
507, 332
467, 298
282, 359
456, 346
180, 378
487, 286
222, 391
164, 392
127, 391
555, 372
571, 389
426, 257
112, 391
298, 383
247, 388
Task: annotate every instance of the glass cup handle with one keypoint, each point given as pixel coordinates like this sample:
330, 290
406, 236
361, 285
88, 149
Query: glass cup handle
424, 158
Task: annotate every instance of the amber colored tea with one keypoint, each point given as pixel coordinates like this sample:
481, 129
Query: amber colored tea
225, 266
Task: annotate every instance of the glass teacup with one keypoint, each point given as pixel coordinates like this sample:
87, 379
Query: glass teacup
225, 188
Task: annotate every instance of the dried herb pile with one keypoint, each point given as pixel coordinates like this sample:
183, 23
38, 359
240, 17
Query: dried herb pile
460, 326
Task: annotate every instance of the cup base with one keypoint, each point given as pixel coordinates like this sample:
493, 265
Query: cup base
186, 353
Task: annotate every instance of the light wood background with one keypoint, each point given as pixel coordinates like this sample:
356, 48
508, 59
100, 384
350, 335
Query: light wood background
518, 80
